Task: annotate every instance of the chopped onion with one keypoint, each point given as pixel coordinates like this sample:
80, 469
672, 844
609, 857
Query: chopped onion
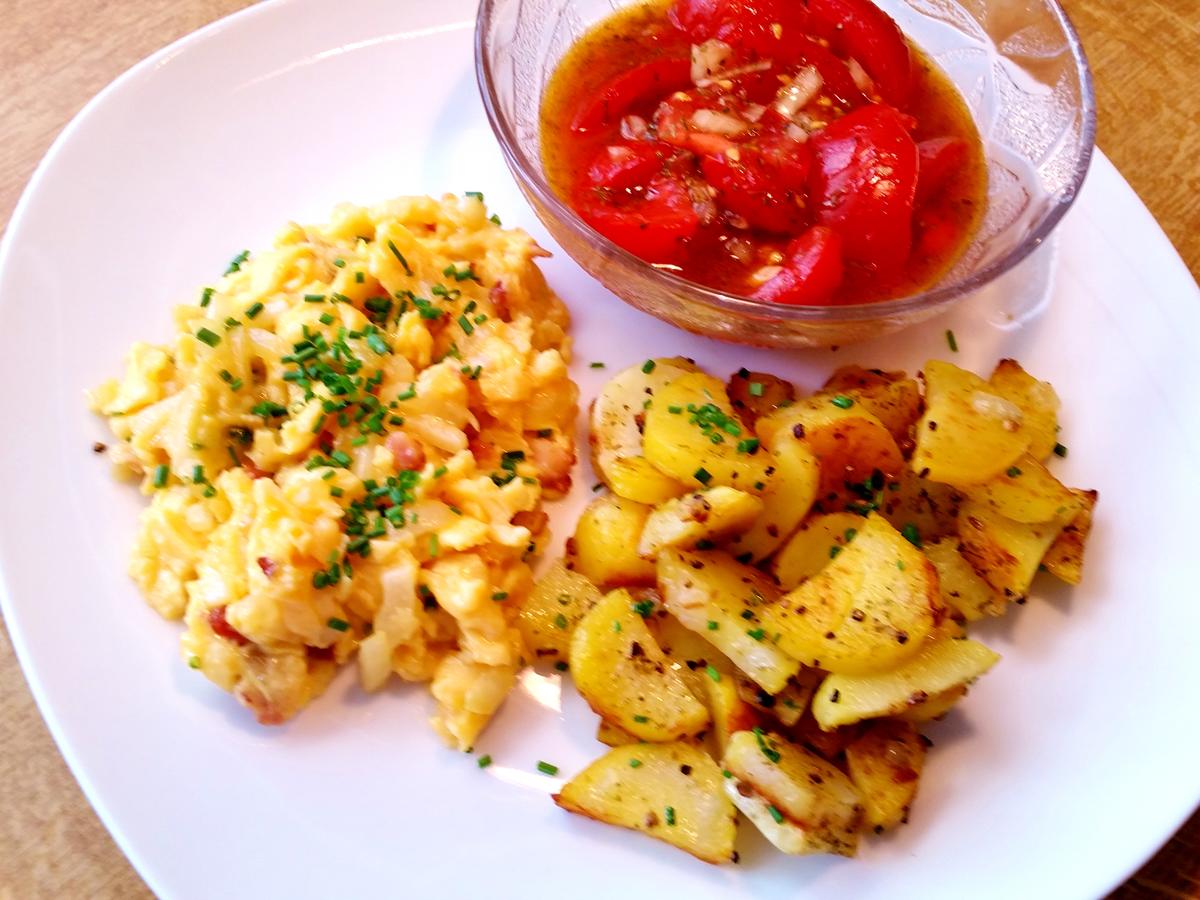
708, 58
760, 66
740, 249
765, 274
996, 407
796, 133
701, 194
754, 112
714, 122
634, 128
861, 79
804, 86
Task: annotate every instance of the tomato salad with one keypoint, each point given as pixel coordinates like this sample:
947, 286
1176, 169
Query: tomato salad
794, 151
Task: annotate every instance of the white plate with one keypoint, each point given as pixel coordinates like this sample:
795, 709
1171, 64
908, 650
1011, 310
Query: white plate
1065, 768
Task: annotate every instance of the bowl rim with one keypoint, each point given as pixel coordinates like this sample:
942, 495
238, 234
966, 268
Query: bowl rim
745, 306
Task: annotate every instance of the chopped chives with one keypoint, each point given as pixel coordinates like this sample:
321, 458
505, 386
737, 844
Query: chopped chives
547, 768
670, 811
912, 535
841, 401
712, 673
498, 596
1060, 450
476, 194
1013, 472
314, 298
160, 476
209, 337
756, 389
465, 324
253, 310
484, 761
641, 720
235, 264
634, 763
338, 624
206, 297
340, 263
648, 366
750, 445
952, 341
400, 256
494, 219
775, 814
702, 475
597, 365
358, 277
560, 621
712, 625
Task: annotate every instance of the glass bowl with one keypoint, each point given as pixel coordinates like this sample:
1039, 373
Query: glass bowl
1020, 67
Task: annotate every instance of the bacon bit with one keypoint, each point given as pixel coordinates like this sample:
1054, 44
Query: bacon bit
267, 565
221, 627
256, 701
534, 519
319, 653
252, 470
554, 463
406, 451
499, 297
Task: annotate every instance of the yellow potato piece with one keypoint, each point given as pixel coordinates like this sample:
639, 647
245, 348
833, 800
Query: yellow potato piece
606, 542
870, 609
614, 735
701, 516
928, 506
942, 665
788, 705
1025, 492
935, 707
969, 433
810, 549
672, 792
703, 453
622, 673
800, 802
616, 440
722, 600
962, 588
730, 713
757, 394
1005, 553
795, 478
892, 397
1064, 559
1038, 401
548, 614
885, 764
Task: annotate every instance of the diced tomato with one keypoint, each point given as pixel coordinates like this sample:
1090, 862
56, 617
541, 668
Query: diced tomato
936, 234
789, 159
757, 27
812, 271
838, 82
757, 189
646, 82
939, 159
672, 120
860, 29
863, 182
621, 166
652, 226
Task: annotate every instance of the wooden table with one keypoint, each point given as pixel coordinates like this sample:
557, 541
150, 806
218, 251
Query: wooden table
57, 55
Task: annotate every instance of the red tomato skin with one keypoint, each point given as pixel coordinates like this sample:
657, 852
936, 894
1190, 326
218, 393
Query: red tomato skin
939, 159
758, 27
860, 29
836, 76
647, 81
863, 183
761, 189
619, 167
811, 273
653, 226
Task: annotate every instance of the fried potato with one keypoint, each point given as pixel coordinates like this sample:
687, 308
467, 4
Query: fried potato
928, 506
810, 549
615, 436
692, 435
757, 394
730, 712
870, 609
689, 653
606, 542
672, 792
969, 432
624, 676
1064, 559
614, 735
935, 707
850, 444
700, 516
713, 595
964, 591
1025, 492
788, 705
892, 397
885, 764
794, 479
1005, 553
548, 614
1038, 401
800, 802
941, 666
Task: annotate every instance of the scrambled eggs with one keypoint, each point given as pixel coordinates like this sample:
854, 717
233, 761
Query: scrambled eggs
346, 446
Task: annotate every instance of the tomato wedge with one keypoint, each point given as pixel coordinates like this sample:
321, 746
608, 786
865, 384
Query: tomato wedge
618, 167
758, 27
939, 159
653, 225
860, 29
834, 73
863, 183
648, 81
811, 273
760, 186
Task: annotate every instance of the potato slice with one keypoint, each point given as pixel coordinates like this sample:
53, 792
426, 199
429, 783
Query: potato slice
928, 506
935, 707
1025, 492
720, 599
672, 792
850, 444
547, 616
701, 516
625, 677
615, 735
730, 712
810, 549
800, 802
1038, 401
615, 435
963, 590
1064, 559
892, 397
870, 609
885, 764
689, 653
795, 478
788, 705
942, 665
606, 541
757, 394
969, 433
692, 435
1005, 553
